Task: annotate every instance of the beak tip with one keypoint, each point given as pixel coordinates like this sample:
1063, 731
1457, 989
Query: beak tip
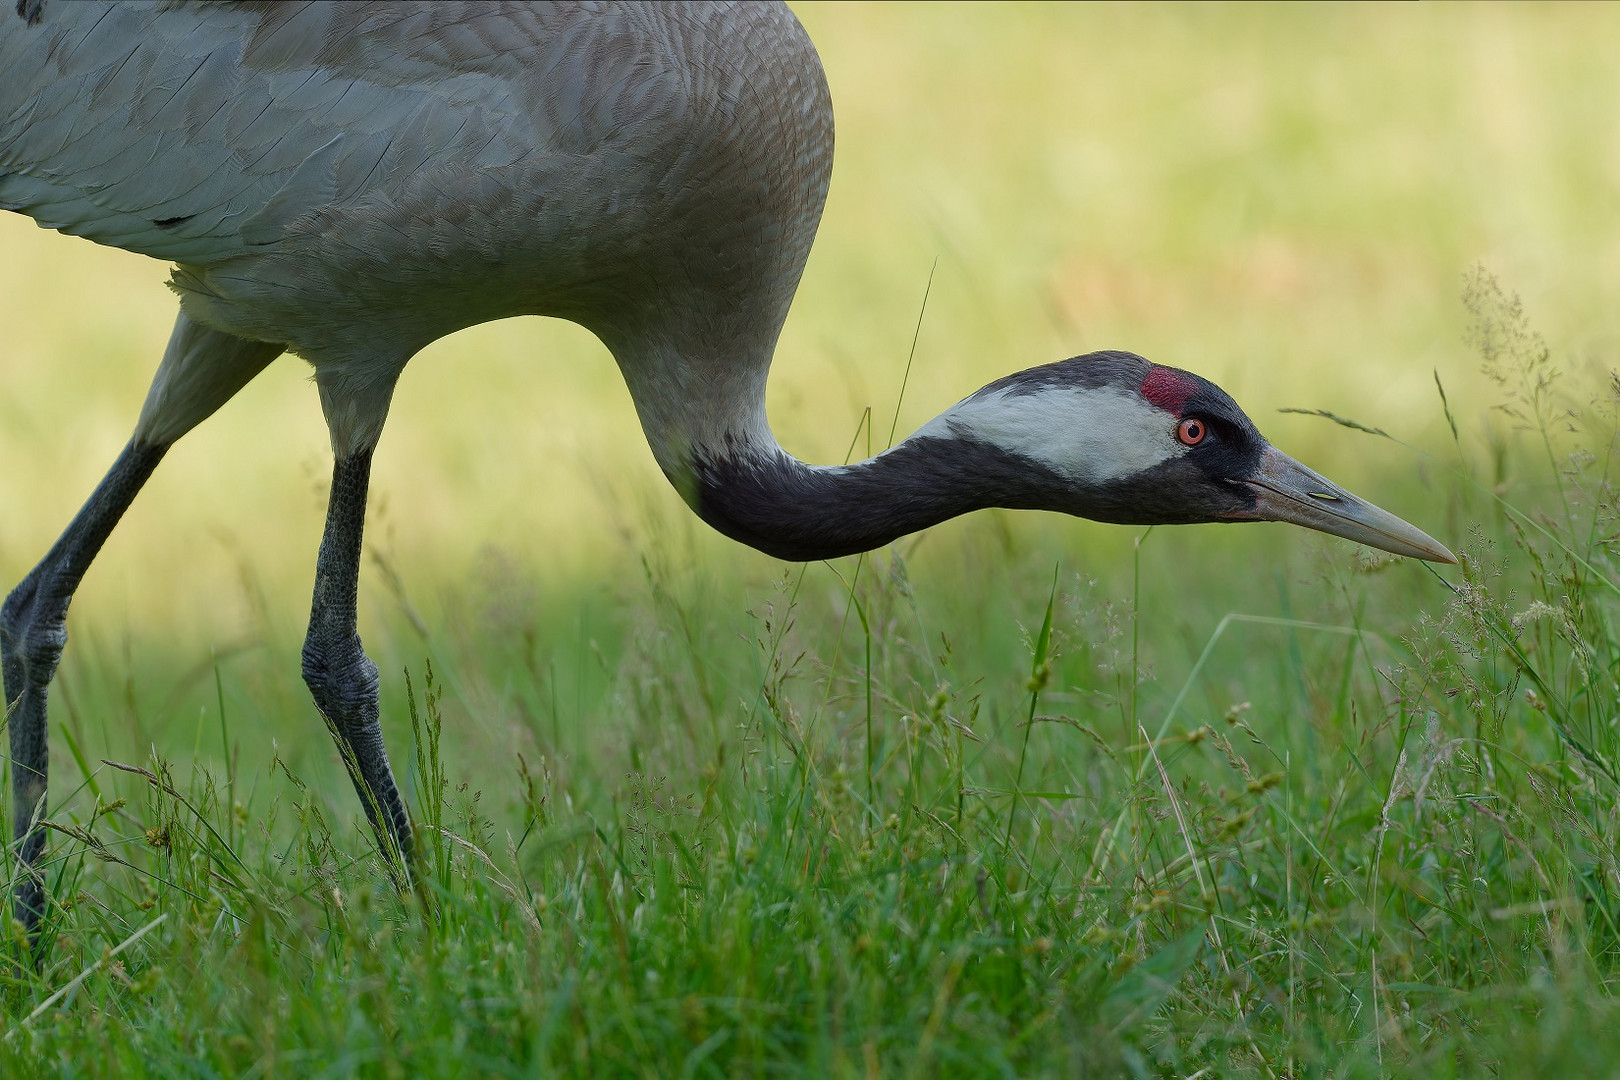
1425, 547
1436, 552
1421, 546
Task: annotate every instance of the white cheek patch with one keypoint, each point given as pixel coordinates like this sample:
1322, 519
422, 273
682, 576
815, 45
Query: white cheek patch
1089, 436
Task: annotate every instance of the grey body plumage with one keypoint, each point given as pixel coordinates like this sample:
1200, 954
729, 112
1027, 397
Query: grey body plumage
351, 181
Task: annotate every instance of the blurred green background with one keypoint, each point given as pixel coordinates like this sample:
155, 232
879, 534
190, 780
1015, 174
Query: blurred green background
1283, 199
1401, 849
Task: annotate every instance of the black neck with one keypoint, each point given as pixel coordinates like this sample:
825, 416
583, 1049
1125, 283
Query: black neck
783, 507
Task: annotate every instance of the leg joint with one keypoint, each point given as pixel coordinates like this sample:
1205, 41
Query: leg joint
343, 681
33, 630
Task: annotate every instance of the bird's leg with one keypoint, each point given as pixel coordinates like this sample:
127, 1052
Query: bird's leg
33, 631
340, 675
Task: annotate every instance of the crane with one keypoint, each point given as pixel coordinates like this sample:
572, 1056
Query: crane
349, 182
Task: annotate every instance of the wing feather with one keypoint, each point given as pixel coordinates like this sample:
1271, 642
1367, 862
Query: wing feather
200, 132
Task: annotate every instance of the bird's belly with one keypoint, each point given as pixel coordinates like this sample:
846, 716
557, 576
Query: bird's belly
359, 311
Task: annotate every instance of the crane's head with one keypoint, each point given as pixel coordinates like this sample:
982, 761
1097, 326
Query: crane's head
1116, 438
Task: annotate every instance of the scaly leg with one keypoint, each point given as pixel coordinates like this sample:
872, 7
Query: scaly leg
341, 677
33, 631
201, 370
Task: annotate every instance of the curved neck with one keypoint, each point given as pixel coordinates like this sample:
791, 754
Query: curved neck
705, 421
773, 502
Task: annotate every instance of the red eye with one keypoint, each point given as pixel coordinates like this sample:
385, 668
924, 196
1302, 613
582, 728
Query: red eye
1191, 431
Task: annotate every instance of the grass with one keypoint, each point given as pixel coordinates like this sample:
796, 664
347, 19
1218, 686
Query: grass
1018, 797
877, 833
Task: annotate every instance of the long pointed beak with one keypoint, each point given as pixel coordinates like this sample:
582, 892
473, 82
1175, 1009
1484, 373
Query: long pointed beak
1288, 491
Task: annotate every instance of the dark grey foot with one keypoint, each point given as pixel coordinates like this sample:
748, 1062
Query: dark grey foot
343, 681
341, 677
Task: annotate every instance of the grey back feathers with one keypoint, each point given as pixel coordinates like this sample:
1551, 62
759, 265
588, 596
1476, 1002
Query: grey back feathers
352, 181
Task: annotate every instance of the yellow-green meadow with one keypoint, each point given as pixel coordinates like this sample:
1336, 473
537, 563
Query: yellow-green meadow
1023, 795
